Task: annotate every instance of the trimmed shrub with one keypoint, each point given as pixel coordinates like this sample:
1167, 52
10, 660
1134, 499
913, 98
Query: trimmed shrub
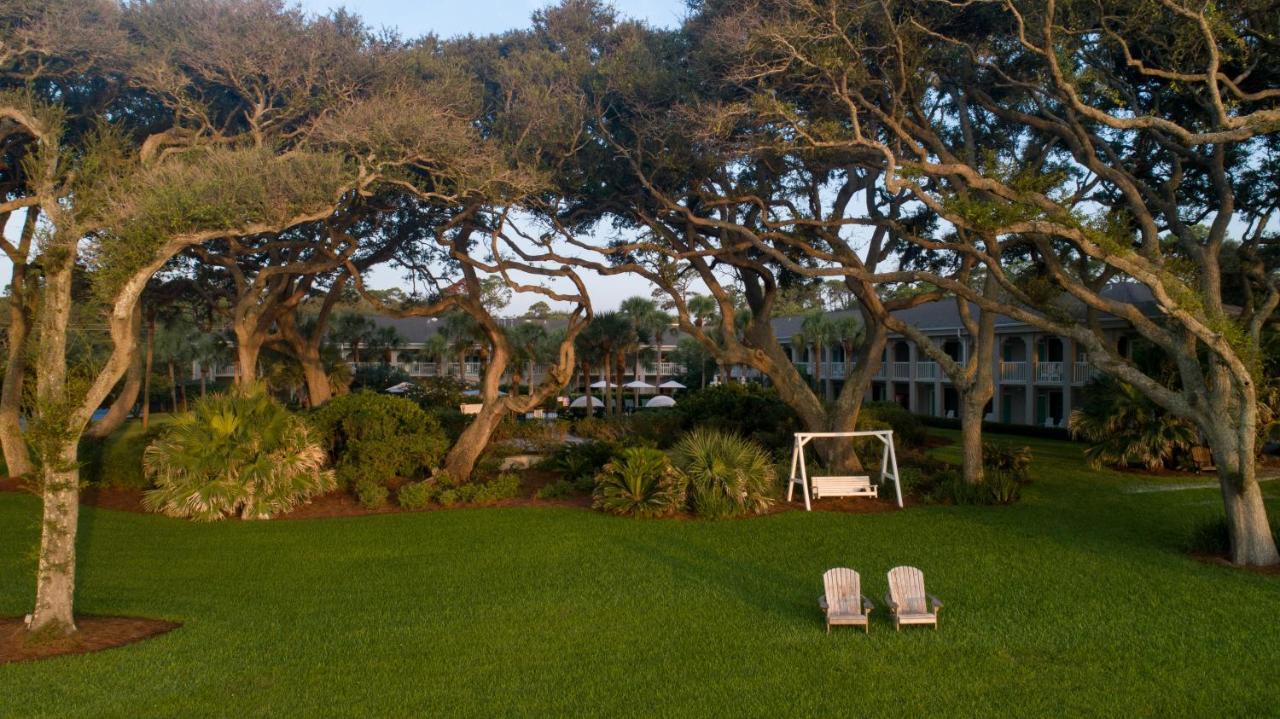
728, 476
415, 495
117, 460
371, 494
581, 461
448, 498
752, 411
559, 489
378, 377
640, 482
451, 420
235, 454
907, 428
437, 393
505, 486
377, 438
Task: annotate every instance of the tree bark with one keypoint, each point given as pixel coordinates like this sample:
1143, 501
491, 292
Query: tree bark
147, 368
318, 389
17, 457
128, 396
971, 411
59, 472
248, 346
173, 387
1252, 543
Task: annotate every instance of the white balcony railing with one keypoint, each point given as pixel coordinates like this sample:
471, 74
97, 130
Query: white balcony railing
927, 370
1082, 372
902, 370
1049, 372
1014, 372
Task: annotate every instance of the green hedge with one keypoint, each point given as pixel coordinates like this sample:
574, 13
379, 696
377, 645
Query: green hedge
117, 460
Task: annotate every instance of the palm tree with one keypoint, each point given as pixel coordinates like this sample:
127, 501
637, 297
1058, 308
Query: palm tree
703, 308
525, 340
352, 330
613, 335
1126, 428
461, 333
849, 333
820, 332
651, 325
436, 348
588, 348
385, 339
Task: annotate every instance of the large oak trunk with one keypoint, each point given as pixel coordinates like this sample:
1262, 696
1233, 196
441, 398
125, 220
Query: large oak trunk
1252, 543
971, 411
55, 445
461, 460
16, 457
55, 576
318, 389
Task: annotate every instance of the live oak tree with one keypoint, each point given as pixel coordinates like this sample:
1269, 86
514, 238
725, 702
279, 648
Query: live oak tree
1151, 116
184, 149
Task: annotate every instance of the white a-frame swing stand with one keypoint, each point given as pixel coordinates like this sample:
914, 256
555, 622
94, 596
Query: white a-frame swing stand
819, 487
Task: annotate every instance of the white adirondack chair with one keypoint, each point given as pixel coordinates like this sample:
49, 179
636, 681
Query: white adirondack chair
844, 602
907, 599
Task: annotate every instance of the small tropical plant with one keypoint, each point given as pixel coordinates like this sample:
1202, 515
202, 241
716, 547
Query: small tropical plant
241, 454
640, 482
1125, 428
1007, 470
728, 475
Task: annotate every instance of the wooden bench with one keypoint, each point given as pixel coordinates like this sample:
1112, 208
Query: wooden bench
843, 487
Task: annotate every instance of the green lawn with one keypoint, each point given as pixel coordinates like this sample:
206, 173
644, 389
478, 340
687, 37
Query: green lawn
1076, 602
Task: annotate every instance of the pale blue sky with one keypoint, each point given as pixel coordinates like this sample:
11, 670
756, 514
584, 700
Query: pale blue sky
480, 17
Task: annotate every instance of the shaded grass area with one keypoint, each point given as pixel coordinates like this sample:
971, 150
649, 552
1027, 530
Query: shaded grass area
1078, 601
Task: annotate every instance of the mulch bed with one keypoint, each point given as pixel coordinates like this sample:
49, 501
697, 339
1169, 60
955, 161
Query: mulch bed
94, 634
1224, 562
123, 500
343, 504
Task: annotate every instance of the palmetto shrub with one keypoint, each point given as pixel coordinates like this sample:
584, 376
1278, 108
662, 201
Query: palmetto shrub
1125, 428
241, 454
728, 475
639, 482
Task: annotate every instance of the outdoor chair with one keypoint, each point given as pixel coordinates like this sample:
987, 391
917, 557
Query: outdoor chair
1202, 457
907, 599
844, 602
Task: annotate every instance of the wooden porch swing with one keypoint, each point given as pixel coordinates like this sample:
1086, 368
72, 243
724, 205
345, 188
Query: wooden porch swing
842, 486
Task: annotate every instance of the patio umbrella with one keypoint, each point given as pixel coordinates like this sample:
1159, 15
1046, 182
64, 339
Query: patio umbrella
581, 403
637, 385
661, 400
600, 384
400, 388
672, 384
